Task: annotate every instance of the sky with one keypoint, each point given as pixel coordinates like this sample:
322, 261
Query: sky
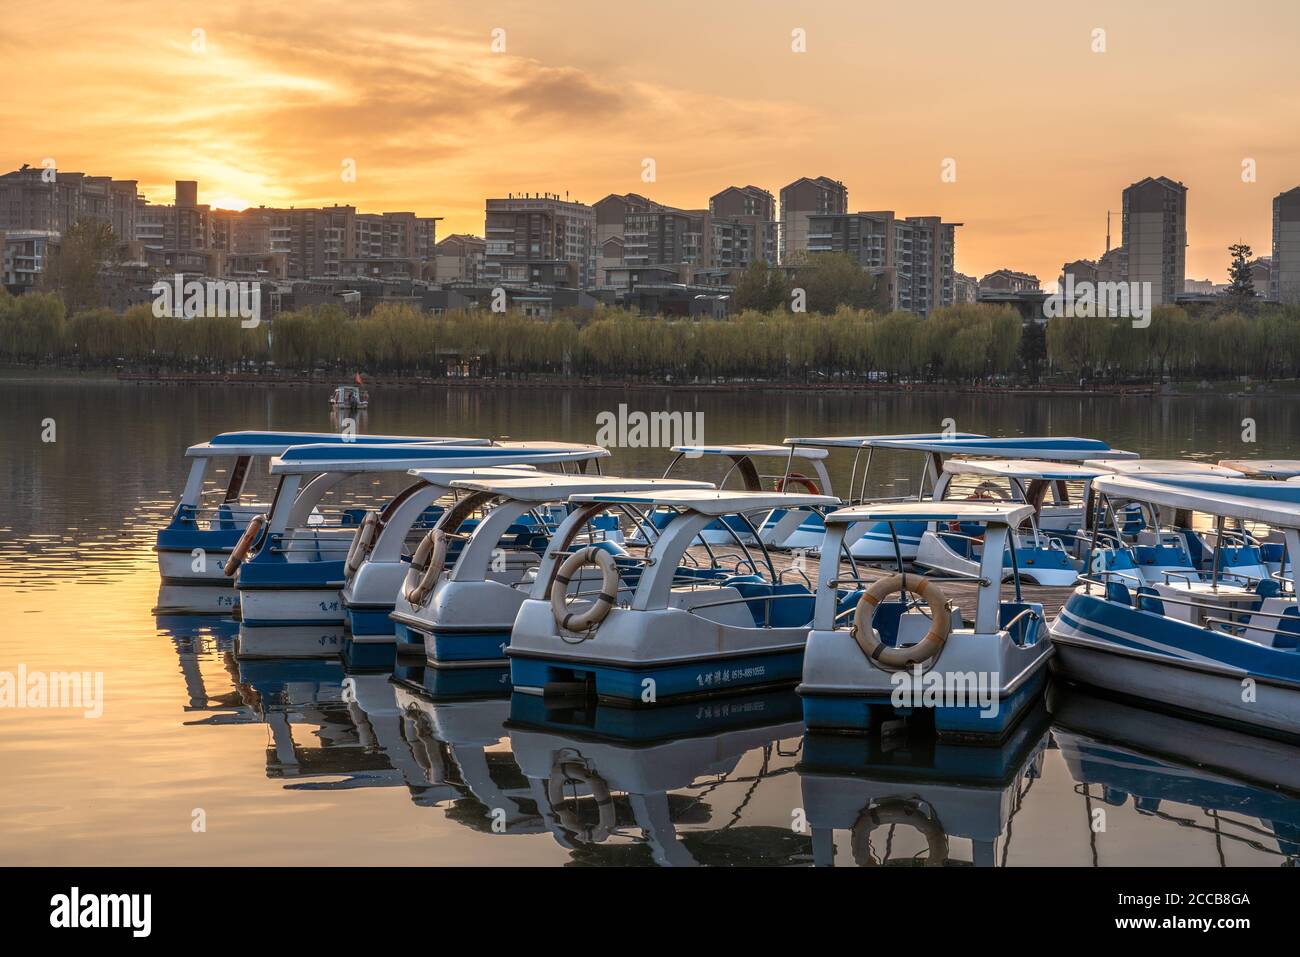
1044, 119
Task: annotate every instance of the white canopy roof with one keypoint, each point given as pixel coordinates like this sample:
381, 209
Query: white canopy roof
994, 513
710, 501
1023, 469
751, 449
869, 441
1272, 503
548, 487
274, 443
445, 477
1161, 467
1059, 448
1268, 468
353, 457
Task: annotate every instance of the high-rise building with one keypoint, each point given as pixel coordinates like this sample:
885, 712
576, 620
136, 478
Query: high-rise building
1285, 280
459, 258
805, 198
539, 239
50, 201
914, 257
745, 227
1155, 236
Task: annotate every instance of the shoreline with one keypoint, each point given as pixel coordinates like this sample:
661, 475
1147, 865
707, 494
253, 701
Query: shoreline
1226, 389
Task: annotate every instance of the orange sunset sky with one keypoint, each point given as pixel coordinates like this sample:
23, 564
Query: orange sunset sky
1045, 132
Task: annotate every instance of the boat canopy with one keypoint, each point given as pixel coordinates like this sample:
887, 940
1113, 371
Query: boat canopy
1023, 469
871, 441
1276, 504
1264, 468
349, 457
548, 487
988, 513
710, 501
751, 449
443, 477
1161, 467
1058, 448
275, 443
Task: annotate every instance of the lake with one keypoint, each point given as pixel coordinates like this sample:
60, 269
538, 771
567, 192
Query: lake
199, 758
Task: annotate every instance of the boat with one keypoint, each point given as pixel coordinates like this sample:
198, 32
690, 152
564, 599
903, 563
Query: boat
379, 557
1280, 470
1048, 550
1235, 796
869, 660
197, 541
349, 398
459, 608
289, 563
1222, 650
779, 530
695, 624
882, 544
619, 785
882, 786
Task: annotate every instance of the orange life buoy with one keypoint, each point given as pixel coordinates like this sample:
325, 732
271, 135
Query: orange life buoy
245, 542
811, 485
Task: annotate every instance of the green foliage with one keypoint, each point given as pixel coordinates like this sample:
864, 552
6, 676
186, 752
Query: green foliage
74, 268
1241, 284
761, 287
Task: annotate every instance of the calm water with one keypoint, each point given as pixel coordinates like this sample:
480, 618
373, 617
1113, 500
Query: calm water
299, 763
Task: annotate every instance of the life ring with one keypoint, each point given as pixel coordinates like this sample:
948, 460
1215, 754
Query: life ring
427, 566
892, 811
578, 773
593, 616
812, 487
361, 543
925, 650
245, 542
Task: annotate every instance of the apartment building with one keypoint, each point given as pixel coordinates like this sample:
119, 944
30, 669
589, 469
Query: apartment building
30, 201
1155, 236
745, 228
914, 256
1009, 280
1284, 283
965, 289
805, 198
459, 258
539, 239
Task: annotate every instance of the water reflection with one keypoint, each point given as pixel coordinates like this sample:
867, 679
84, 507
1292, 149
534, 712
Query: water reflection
1221, 786
902, 795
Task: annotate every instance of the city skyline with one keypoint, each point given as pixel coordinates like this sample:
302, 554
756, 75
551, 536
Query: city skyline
436, 122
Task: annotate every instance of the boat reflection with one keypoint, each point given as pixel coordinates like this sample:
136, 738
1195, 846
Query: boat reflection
204, 642
904, 795
683, 785
1239, 791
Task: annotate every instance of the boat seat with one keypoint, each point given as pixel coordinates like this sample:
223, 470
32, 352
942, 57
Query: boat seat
1289, 623
1118, 592
782, 613
1268, 588
1149, 600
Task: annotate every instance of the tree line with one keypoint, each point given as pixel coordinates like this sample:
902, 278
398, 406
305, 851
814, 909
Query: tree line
963, 343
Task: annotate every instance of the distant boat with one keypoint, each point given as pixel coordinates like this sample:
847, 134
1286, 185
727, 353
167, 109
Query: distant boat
349, 397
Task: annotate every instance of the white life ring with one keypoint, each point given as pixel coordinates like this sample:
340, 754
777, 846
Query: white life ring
925, 650
361, 543
426, 566
895, 811
593, 616
244, 544
563, 773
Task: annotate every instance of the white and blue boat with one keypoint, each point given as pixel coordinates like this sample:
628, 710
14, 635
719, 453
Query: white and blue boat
1278, 470
289, 563
801, 470
379, 557
459, 608
869, 660
694, 624
879, 544
207, 522
1048, 550
1222, 650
